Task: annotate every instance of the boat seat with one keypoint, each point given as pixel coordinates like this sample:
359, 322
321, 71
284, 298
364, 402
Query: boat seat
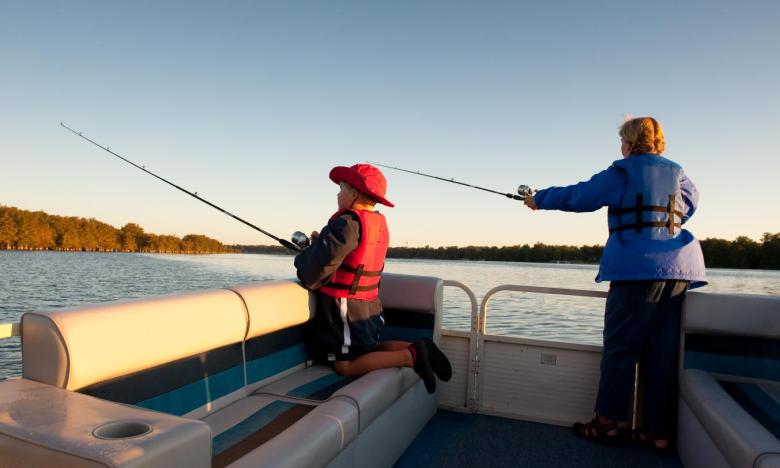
180, 354
282, 432
237, 360
729, 406
371, 394
740, 437
278, 371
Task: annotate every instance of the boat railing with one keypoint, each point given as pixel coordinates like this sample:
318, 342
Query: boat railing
462, 398
526, 378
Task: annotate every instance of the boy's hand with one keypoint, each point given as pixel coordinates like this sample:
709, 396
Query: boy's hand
530, 202
314, 235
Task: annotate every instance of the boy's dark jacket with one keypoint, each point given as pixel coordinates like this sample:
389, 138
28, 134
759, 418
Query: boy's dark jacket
314, 266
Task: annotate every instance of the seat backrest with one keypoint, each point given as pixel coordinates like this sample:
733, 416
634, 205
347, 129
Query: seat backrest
193, 353
179, 354
412, 306
275, 338
732, 334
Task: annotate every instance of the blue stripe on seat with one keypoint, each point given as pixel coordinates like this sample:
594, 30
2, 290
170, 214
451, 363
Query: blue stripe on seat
274, 363
192, 396
270, 412
149, 383
757, 403
404, 334
248, 426
746, 366
306, 390
263, 345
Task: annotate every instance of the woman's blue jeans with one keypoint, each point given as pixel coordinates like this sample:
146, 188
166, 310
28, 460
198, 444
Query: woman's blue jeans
642, 324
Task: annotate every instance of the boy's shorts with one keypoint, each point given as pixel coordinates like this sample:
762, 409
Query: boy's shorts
329, 359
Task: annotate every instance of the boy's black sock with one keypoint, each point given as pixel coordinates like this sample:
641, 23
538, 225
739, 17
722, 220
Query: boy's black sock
422, 365
439, 362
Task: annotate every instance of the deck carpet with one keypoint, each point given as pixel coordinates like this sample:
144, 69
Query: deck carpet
458, 440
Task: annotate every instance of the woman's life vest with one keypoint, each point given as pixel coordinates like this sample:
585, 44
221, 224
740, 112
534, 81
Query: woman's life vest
652, 204
649, 199
359, 275
647, 241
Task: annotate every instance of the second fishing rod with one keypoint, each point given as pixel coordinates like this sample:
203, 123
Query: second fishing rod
523, 191
290, 245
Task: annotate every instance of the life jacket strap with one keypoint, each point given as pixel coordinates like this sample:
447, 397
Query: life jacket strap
626, 227
632, 209
639, 208
349, 269
349, 287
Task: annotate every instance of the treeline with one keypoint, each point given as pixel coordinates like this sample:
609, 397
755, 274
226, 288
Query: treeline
718, 253
262, 249
36, 230
540, 253
743, 252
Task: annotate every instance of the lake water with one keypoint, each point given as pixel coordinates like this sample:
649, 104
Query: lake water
35, 281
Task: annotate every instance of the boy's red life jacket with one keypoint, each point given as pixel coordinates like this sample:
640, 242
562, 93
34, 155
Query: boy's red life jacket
359, 274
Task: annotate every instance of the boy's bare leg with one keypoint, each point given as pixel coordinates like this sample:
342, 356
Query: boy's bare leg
375, 360
392, 345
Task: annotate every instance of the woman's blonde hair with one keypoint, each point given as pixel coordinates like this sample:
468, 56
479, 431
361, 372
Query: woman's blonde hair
644, 135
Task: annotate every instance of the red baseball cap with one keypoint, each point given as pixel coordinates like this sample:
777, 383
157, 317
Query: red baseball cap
364, 178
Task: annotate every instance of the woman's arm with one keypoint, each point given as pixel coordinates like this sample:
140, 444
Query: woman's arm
690, 197
603, 189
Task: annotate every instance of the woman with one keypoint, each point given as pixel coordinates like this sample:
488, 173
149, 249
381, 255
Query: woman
651, 261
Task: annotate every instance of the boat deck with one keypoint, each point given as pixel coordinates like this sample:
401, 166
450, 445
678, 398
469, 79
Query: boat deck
459, 439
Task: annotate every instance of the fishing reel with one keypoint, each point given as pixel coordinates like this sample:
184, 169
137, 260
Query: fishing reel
300, 239
524, 191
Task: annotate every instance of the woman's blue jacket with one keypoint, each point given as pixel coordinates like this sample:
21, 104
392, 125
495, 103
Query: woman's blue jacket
649, 199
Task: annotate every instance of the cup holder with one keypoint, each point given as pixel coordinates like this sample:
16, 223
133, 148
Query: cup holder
121, 430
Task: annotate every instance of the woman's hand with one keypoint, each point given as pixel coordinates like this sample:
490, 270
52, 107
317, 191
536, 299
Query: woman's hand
314, 235
530, 202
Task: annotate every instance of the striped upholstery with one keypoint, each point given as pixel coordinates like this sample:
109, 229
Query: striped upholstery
260, 417
180, 354
730, 380
274, 353
743, 356
760, 400
733, 335
315, 383
178, 387
277, 312
405, 325
236, 359
412, 306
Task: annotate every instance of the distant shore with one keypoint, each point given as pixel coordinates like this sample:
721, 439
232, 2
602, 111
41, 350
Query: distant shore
742, 253
440, 253
167, 252
35, 230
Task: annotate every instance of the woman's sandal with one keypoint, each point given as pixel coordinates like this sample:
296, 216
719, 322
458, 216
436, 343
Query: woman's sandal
643, 438
599, 432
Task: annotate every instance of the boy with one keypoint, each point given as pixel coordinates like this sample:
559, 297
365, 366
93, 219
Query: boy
344, 265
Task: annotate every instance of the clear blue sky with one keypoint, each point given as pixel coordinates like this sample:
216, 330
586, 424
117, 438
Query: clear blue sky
252, 103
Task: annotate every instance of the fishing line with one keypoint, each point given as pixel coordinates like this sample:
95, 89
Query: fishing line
523, 191
283, 242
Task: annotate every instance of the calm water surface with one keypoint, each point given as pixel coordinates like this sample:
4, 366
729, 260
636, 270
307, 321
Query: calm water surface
34, 281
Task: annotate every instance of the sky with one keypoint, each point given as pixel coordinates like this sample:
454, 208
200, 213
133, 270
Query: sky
252, 103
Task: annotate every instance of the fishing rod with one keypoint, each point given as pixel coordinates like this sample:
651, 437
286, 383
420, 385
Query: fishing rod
284, 242
523, 191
